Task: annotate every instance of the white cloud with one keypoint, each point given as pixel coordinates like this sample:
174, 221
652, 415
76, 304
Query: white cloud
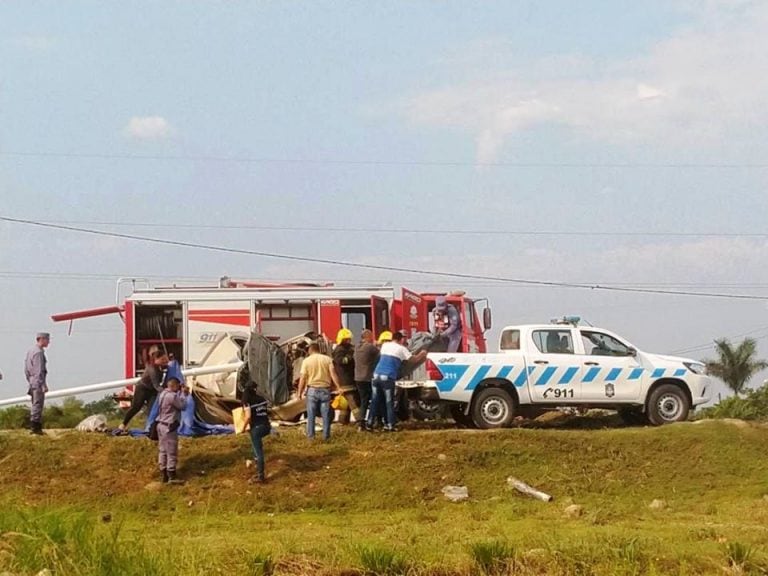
148, 128
704, 83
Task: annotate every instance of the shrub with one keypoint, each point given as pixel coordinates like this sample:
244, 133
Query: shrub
752, 406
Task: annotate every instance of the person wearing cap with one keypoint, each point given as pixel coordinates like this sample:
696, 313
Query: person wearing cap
344, 363
366, 357
447, 323
385, 375
36, 372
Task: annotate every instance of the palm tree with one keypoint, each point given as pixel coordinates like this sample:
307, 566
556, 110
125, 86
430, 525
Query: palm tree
735, 365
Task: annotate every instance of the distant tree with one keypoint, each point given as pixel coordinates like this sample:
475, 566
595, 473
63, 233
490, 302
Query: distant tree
735, 365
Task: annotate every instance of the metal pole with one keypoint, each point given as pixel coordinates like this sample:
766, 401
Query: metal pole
120, 384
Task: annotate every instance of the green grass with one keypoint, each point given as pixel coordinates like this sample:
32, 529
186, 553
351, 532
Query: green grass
371, 504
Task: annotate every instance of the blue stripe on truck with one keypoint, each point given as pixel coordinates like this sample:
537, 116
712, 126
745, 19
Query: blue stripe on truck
479, 376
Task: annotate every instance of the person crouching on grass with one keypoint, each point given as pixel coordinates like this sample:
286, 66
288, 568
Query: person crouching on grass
257, 415
171, 403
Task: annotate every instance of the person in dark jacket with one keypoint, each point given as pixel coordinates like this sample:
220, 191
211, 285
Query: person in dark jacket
366, 357
257, 414
344, 363
149, 386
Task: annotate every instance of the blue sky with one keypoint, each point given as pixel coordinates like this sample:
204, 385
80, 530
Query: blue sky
518, 116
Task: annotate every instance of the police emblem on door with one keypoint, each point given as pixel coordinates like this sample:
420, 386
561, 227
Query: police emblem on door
610, 391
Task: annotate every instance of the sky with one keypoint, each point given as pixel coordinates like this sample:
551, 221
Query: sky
600, 142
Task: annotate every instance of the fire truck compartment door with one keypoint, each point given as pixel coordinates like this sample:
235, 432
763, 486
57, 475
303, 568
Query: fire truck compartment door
379, 315
415, 318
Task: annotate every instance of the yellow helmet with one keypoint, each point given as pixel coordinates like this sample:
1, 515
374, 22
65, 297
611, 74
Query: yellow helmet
343, 334
385, 336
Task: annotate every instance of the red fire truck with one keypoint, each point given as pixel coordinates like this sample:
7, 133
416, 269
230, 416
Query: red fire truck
189, 321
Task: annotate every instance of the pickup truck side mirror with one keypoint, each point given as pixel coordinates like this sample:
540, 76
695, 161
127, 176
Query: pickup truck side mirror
631, 352
487, 319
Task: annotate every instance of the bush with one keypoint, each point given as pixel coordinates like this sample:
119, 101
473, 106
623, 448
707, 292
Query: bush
68, 414
14, 417
752, 406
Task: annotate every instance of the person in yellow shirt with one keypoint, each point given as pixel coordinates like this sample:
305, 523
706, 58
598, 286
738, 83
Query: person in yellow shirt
318, 379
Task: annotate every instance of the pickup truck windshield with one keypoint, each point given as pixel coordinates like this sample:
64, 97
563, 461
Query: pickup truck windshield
599, 344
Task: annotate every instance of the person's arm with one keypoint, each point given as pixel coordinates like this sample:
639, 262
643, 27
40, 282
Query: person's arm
335, 378
37, 369
179, 401
302, 384
156, 379
454, 322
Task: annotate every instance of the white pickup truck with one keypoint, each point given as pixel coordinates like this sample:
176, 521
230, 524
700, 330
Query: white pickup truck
564, 364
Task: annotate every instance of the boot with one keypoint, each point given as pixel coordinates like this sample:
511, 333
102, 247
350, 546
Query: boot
166, 478
172, 479
36, 428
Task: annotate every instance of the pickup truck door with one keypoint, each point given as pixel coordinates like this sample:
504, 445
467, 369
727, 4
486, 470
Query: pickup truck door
612, 372
554, 370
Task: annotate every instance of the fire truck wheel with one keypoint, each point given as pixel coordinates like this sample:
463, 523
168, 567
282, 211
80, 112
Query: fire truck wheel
492, 408
667, 404
461, 419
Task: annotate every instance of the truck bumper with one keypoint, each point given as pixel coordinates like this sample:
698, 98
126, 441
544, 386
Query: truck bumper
701, 390
420, 389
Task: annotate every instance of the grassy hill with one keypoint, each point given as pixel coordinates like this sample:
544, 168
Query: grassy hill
372, 503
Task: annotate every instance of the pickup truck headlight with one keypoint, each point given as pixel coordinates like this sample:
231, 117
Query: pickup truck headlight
696, 367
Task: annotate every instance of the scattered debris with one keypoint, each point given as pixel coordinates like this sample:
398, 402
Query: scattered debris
521, 486
657, 504
95, 423
106, 518
456, 493
45, 572
442, 457
573, 511
190, 504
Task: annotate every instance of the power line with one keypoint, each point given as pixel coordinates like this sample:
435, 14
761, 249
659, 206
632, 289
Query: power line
88, 276
709, 344
372, 162
368, 230
333, 262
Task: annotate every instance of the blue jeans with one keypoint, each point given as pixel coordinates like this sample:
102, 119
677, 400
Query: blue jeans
386, 388
319, 397
257, 433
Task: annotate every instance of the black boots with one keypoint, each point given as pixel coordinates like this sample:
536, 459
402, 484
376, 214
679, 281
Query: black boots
172, 479
166, 478
36, 428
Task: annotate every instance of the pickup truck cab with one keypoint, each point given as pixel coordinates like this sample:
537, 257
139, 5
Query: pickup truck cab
564, 364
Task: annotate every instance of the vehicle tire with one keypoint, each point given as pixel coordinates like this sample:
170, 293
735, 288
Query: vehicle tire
668, 403
633, 416
461, 419
426, 409
492, 408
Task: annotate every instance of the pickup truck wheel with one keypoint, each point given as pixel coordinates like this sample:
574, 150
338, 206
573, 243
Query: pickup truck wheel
633, 416
463, 420
426, 409
667, 404
492, 408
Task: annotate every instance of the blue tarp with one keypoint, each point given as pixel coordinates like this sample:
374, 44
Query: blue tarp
190, 424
